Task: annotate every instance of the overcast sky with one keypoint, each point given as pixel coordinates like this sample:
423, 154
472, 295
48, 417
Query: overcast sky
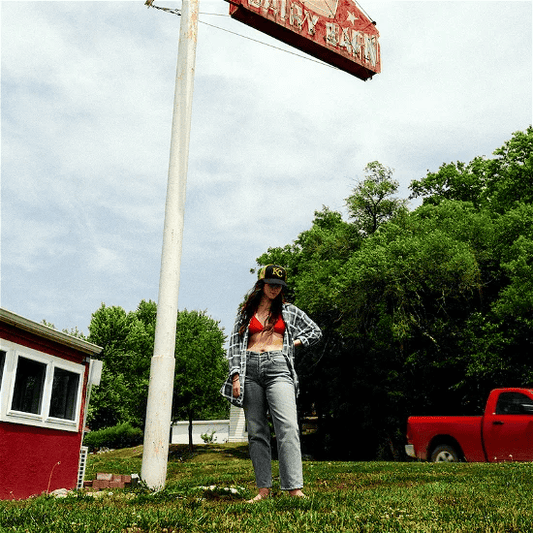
87, 96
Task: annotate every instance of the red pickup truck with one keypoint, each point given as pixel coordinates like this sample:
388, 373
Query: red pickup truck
503, 433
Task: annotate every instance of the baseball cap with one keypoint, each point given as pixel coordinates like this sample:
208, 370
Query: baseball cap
273, 275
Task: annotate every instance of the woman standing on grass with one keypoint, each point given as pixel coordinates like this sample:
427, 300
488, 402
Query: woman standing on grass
262, 378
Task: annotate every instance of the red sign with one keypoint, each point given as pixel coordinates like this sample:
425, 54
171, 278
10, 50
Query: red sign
334, 31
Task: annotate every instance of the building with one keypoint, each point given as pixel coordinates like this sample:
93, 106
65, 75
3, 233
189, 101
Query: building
45, 382
237, 425
220, 431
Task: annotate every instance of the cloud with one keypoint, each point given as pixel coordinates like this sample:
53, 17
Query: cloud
87, 96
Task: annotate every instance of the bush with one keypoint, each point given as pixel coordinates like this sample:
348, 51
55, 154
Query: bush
119, 436
209, 438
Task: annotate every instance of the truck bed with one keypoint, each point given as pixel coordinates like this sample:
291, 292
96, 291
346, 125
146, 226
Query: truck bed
433, 430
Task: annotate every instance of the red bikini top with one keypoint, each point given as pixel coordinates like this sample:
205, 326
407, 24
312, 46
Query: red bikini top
256, 326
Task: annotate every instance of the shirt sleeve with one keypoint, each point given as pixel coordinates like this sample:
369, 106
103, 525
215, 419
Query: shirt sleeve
234, 349
303, 327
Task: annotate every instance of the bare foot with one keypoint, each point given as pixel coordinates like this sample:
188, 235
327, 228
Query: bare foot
297, 493
262, 495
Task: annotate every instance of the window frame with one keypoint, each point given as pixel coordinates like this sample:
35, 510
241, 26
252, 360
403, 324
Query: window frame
7, 388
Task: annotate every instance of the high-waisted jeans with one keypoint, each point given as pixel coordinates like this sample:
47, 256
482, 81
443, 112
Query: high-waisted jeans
269, 386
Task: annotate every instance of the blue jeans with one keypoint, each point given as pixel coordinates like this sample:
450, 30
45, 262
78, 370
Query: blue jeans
269, 386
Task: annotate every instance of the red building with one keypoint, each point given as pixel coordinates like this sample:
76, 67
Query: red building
45, 383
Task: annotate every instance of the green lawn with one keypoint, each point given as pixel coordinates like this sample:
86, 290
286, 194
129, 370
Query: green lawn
343, 496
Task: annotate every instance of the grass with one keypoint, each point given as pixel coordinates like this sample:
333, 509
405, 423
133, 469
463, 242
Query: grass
343, 496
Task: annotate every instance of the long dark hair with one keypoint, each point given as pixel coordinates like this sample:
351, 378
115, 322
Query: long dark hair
251, 304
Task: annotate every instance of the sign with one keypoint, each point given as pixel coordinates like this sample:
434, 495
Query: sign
334, 31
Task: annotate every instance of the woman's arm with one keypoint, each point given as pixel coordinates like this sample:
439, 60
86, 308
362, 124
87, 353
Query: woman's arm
234, 349
304, 331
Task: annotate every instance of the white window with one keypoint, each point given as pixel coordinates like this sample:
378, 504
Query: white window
65, 386
39, 389
29, 386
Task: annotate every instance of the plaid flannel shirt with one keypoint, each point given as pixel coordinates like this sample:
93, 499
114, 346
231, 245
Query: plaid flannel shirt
297, 326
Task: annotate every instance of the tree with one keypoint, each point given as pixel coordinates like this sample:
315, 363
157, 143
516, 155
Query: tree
498, 184
453, 181
201, 368
424, 315
403, 298
499, 343
74, 332
127, 341
510, 173
128, 344
314, 258
372, 202
312, 263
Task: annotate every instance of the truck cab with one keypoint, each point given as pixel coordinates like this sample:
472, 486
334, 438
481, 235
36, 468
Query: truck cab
508, 426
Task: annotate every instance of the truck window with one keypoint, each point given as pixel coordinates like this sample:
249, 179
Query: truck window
514, 403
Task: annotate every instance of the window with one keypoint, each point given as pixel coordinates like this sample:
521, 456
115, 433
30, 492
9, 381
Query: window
2, 363
64, 392
39, 389
29, 385
514, 403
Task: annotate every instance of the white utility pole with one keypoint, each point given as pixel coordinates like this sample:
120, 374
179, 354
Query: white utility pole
159, 408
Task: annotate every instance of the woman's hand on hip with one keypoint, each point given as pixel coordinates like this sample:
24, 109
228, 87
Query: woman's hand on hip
236, 386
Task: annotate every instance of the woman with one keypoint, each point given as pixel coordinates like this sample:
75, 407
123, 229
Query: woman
262, 378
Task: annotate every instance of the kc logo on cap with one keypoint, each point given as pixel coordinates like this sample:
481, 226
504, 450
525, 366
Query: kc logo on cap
278, 272
273, 274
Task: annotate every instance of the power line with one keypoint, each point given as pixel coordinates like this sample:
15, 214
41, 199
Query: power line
177, 12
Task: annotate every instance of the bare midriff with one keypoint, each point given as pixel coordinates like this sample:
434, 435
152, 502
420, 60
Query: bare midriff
265, 341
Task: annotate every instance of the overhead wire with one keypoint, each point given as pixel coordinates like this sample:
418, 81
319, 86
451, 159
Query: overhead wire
177, 12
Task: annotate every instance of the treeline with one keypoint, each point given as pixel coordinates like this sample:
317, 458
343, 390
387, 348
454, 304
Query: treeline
423, 311
127, 339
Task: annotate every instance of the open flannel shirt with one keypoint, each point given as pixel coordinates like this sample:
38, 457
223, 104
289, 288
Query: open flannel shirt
297, 326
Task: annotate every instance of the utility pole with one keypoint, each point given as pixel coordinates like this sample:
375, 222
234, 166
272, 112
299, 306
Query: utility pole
159, 408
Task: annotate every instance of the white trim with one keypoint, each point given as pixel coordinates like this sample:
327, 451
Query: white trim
42, 419
41, 330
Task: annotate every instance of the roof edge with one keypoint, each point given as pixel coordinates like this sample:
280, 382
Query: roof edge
8, 317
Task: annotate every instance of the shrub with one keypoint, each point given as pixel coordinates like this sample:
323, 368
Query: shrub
209, 438
119, 436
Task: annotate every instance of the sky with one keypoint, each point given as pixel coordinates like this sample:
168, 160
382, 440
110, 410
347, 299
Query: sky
87, 94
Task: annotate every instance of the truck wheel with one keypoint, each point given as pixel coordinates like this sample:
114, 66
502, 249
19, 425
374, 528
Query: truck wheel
444, 453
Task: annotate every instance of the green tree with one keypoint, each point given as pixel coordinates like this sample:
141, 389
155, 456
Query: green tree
201, 367
74, 332
510, 173
313, 262
499, 342
127, 342
496, 336
415, 269
372, 201
498, 184
425, 315
314, 259
453, 181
